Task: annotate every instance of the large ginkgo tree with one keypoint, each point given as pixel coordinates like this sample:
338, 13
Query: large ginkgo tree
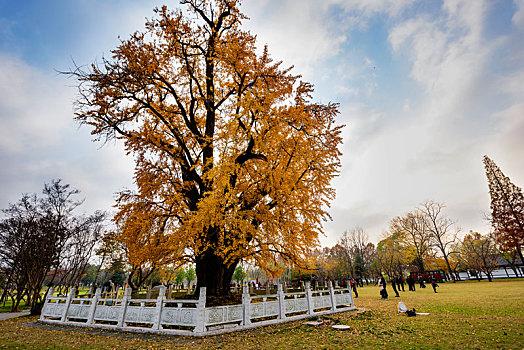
233, 157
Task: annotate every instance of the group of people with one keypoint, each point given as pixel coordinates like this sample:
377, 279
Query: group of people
397, 283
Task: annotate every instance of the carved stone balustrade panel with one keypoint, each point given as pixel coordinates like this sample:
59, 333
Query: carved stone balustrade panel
178, 316
107, 313
78, 311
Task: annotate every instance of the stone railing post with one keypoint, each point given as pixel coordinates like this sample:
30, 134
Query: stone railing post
309, 298
67, 303
159, 307
246, 303
123, 308
49, 294
281, 302
201, 312
92, 309
332, 295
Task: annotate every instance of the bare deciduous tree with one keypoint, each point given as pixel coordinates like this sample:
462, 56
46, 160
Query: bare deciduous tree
443, 231
354, 243
40, 235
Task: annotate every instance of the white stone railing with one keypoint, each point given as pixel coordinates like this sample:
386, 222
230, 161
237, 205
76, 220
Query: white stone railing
191, 316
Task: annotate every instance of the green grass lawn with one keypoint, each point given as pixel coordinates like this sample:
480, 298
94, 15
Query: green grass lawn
471, 315
7, 306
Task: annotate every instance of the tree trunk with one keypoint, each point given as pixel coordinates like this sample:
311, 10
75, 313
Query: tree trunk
36, 298
99, 268
489, 276
6, 291
16, 301
419, 263
449, 267
214, 274
519, 251
140, 277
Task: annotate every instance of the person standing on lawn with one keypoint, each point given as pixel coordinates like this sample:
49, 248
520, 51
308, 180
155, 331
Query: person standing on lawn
382, 286
421, 282
434, 284
394, 284
353, 285
400, 280
411, 283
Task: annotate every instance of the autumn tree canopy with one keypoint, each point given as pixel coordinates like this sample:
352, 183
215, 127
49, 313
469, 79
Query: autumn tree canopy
507, 208
478, 253
391, 255
412, 230
233, 157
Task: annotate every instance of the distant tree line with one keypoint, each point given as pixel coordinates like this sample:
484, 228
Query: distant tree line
427, 239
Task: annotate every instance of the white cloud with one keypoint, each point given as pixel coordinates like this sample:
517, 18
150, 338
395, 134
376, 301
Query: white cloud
468, 15
449, 58
303, 38
372, 7
518, 17
511, 84
305, 33
30, 115
40, 141
506, 147
434, 150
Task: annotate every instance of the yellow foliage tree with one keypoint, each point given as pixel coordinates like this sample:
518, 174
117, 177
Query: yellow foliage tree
478, 253
392, 255
411, 229
233, 158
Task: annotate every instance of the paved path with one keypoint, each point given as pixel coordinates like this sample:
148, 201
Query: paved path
6, 315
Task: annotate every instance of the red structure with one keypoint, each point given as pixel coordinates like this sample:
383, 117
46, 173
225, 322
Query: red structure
427, 276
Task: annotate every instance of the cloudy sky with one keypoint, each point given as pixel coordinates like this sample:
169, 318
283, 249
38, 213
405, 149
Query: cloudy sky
426, 89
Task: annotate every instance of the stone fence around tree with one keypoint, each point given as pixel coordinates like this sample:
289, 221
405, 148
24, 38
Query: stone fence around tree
191, 317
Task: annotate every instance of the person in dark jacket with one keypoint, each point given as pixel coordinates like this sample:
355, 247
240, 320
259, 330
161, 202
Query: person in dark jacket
382, 286
400, 280
353, 285
434, 284
411, 283
394, 283
421, 282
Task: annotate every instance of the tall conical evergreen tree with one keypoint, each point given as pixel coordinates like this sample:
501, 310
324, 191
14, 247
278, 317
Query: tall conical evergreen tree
507, 208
